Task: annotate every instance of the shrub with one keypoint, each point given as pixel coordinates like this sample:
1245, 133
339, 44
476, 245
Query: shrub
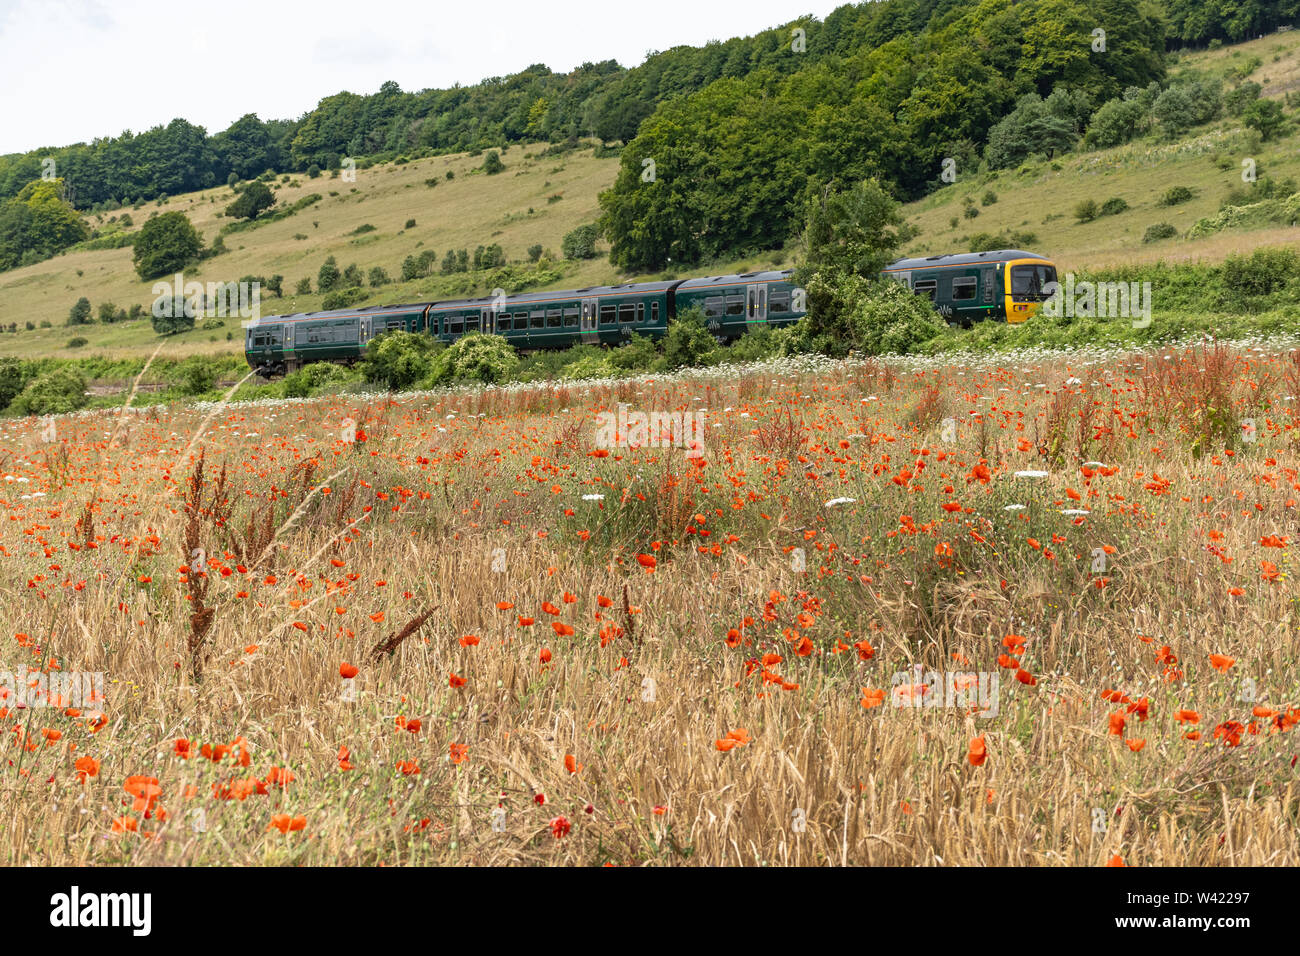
56, 392
535, 252
688, 341
989, 198
1263, 272
1086, 210
848, 312
1112, 206
378, 277
398, 360
255, 198
343, 298
580, 243
77, 342
14, 375
80, 313
492, 163
410, 223
304, 286
1158, 231
1176, 195
477, 357
329, 275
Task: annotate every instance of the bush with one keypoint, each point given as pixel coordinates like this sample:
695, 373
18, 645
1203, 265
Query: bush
14, 375
1086, 210
398, 360
410, 223
1112, 206
378, 277
1158, 231
492, 163
77, 342
477, 357
688, 341
343, 298
989, 198
1176, 195
80, 313
535, 252
850, 312
580, 243
255, 198
329, 275
309, 379
56, 392
1263, 272
313, 171
304, 286
165, 244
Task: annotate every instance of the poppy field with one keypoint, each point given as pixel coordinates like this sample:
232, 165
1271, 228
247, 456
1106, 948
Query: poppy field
1036, 609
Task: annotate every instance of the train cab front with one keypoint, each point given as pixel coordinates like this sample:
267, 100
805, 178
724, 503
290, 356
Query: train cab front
1025, 281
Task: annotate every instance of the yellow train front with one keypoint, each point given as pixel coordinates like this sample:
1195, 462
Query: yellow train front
970, 287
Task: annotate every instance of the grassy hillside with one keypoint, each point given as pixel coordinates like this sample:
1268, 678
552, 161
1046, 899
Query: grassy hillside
537, 199
1040, 198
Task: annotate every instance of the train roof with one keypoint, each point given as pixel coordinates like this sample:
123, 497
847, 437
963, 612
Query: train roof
347, 313
962, 259
743, 278
552, 295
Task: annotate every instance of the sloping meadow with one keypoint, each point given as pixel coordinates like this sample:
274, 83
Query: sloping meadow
1037, 609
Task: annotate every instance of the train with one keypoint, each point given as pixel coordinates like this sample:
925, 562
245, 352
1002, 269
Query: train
964, 288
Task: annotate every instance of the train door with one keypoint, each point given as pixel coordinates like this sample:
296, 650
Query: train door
589, 310
486, 321
756, 303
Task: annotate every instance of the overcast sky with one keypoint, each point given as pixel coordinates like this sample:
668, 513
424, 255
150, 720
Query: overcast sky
73, 70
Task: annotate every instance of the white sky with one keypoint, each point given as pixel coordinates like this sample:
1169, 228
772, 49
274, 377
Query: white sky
74, 70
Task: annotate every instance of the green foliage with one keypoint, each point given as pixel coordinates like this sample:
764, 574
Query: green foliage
492, 163
79, 314
316, 377
1037, 126
857, 230
848, 312
688, 341
253, 199
580, 243
1175, 196
1116, 122
1086, 210
398, 360
77, 341
343, 298
1263, 272
37, 224
165, 244
477, 357
1157, 231
1112, 207
1185, 105
328, 277
14, 376
1266, 117
55, 392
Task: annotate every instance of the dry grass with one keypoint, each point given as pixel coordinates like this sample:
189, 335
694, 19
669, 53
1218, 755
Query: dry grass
388, 554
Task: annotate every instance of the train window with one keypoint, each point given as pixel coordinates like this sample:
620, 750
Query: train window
570, 317
456, 326
925, 287
964, 288
990, 276
553, 319
521, 320
778, 302
396, 325
654, 313
735, 305
713, 306
640, 312
608, 315
537, 319
627, 312
1029, 280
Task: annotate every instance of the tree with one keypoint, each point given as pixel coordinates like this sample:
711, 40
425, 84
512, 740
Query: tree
80, 313
255, 198
856, 231
165, 244
38, 223
1266, 117
492, 163
14, 374
329, 275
